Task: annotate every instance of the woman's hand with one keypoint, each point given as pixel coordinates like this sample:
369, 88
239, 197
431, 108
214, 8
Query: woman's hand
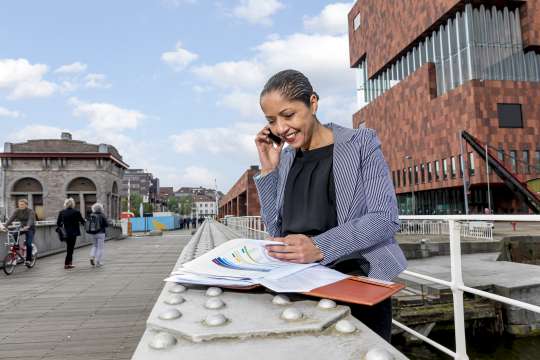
268, 152
296, 248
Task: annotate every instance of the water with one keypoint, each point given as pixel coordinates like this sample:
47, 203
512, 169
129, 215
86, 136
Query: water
495, 348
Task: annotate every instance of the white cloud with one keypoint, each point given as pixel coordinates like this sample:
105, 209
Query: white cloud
331, 21
257, 11
234, 74
96, 81
24, 80
105, 116
74, 68
9, 113
180, 58
237, 140
246, 103
34, 132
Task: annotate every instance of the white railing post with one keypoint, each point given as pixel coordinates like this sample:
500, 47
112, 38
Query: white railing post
457, 282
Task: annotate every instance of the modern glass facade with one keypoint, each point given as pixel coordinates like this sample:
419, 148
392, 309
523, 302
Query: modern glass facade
477, 43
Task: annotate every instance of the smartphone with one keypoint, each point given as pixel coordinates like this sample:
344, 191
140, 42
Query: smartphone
276, 139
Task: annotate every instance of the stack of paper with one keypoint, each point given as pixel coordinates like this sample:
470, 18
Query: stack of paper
245, 262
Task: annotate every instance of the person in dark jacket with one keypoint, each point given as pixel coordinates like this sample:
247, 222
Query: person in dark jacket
27, 218
96, 254
70, 219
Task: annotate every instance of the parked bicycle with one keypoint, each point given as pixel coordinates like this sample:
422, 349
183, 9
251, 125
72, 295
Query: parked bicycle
16, 253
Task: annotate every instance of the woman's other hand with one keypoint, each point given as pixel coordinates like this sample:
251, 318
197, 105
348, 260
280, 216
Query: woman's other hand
296, 248
268, 152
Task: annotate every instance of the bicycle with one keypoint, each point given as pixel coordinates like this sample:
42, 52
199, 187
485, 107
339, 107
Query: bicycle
16, 253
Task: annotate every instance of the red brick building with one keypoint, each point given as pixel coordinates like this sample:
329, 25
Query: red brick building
242, 199
427, 70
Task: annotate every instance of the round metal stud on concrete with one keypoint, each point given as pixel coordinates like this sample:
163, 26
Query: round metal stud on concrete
170, 314
379, 354
177, 289
327, 304
214, 291
215, 320
291, 314
162, 341
281, 300
345, 327
214, 303
174, 299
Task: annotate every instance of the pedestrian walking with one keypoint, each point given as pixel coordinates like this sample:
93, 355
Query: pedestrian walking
328, 196
194, 222
70, 219
96, 226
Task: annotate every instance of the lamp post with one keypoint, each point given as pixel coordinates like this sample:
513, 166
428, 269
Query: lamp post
411, 180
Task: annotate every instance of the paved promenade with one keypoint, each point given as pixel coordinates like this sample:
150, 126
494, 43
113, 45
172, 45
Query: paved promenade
85, 313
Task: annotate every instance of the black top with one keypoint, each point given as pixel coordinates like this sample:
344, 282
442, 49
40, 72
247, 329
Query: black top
309, 204
70, 218
26, 217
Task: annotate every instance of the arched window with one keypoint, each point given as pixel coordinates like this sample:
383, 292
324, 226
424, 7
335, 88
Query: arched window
84, 192
114, 200
31, 190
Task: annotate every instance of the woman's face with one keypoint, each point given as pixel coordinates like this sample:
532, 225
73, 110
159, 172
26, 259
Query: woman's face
292, 121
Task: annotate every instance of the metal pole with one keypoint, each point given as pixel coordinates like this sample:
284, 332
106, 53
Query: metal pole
129, 195
466, 198
487, 175
457, 283
412, 187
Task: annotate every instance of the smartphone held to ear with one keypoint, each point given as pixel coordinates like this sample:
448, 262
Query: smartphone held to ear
275, 139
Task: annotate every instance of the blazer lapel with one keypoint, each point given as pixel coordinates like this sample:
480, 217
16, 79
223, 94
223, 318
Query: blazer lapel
346, 161
287, 160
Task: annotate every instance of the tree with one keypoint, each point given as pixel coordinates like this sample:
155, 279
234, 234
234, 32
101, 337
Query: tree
136, 200
173, 204
185, 206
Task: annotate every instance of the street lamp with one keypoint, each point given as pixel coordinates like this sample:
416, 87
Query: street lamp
411, 180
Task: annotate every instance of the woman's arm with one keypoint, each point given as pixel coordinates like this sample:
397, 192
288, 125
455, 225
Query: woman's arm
380, 223
59, 220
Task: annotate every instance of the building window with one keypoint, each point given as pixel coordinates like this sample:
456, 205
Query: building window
410, 176
526, 166
404, 177
84, 192
509, 115
500, 156
437, 170
460, 166
416, 174
537, 161
398, 178
356, 22
423, 173
429, 171
513, 160
445, 169
31, 190
453, 166
471, 164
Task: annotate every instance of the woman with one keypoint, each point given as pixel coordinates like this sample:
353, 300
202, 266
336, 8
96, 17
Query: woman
70, 218
27, 218
97, 227
328, 196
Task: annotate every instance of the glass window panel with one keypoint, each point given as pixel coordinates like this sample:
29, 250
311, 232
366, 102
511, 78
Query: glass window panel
513, 160
445, 168
471, 164
525, 160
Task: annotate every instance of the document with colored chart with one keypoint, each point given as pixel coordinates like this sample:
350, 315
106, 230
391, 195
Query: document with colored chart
244, 262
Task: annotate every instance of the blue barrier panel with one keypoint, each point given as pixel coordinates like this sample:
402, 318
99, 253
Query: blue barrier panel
155, 223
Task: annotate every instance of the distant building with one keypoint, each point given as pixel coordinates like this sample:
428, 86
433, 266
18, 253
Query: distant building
242, 199
427, 70
165, 193
46, 172
205, 206
143, 183
191, 191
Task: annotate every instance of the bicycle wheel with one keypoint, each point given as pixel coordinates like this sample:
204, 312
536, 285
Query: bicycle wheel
10, 261
34, 257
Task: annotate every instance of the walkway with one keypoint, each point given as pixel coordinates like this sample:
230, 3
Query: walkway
85, 313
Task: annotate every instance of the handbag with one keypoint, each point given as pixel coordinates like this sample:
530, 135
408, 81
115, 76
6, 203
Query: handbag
61, 231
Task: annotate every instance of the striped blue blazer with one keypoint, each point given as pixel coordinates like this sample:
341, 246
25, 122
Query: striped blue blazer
365, 199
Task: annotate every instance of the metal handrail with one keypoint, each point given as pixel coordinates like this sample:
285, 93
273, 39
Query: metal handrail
456, 283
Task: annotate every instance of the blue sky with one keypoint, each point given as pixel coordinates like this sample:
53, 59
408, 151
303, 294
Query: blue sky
173, 84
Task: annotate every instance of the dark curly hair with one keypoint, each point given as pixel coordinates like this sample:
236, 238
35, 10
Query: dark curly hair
291, 84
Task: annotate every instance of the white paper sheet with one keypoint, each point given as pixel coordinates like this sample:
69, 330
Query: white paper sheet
304, 280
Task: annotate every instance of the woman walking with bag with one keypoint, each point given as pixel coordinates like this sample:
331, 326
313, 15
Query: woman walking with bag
96, 225
328, 196
69, 220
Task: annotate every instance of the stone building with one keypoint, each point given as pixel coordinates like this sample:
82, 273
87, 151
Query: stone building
205, 206
242, 199
427, 70
48, 171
